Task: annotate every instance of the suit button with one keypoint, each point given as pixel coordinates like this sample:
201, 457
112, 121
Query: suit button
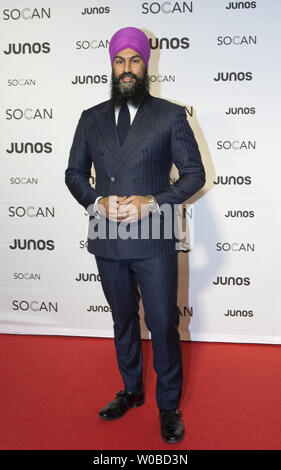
112, 178
101, 153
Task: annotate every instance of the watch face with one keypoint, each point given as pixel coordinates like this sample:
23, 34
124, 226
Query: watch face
153, 207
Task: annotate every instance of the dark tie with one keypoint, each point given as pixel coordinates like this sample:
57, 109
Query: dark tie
123, 123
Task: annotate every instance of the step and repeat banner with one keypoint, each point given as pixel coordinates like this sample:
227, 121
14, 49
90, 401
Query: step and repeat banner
219, 59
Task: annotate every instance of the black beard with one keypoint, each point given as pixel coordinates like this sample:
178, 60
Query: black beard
135, 94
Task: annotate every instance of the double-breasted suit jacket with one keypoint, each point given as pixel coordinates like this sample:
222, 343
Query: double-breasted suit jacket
159, 136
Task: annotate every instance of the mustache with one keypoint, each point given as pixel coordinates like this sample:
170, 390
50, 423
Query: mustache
124, 75
135, 93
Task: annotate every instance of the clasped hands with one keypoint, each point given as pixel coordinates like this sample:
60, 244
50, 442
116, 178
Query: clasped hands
124, 208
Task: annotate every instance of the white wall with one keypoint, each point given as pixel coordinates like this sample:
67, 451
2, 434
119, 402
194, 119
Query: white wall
40, 104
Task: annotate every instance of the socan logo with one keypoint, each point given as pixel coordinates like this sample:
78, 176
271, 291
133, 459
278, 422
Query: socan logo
93, 44
166, 43
27, 276
28, 48
32, 211
23, 180
21, 81
26, 14
187, 311
162, 78
189, 110
235, 247
35, 305
236, 145
236, 40
29, 113
166, 7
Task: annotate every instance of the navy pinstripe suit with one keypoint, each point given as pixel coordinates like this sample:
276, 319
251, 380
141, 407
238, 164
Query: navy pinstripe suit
158, 137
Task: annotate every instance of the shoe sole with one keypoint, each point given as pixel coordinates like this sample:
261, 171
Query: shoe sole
173, 441
135, 405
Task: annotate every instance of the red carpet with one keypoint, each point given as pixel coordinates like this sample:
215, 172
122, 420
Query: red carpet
52, 388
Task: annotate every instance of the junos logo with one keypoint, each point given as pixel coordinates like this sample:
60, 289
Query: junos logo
240, 5
234, 180
95, 11
166, 43
232, 281
240, 110
29, 147
98, 308
241, 214
24, 244
86, 277
239, 313
89, 79
28, 48
233, 76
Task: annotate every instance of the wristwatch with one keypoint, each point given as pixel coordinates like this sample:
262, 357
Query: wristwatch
153, 206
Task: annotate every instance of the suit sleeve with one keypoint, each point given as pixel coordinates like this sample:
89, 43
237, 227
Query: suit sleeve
78, 171
186, 156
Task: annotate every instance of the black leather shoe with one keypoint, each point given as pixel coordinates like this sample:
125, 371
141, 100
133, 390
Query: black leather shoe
172, 429
123, 402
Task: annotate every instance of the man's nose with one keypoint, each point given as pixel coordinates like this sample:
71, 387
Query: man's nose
127, 66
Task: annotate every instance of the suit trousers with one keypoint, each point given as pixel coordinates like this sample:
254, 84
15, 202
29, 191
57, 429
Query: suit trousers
156, 280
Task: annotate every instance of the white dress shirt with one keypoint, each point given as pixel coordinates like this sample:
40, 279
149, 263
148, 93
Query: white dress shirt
132, 109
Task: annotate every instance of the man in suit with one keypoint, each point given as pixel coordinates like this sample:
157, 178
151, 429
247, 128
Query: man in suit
132, 140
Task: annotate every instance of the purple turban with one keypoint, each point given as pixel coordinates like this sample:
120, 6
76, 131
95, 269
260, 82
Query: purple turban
130, 38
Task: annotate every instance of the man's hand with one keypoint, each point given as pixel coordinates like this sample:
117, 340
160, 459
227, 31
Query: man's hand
109, 206
134, 208
123, 208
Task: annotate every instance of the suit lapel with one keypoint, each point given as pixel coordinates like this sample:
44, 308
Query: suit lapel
107, 125
108, 130
137, 131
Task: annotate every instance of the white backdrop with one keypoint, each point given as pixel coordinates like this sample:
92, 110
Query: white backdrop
220, 59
